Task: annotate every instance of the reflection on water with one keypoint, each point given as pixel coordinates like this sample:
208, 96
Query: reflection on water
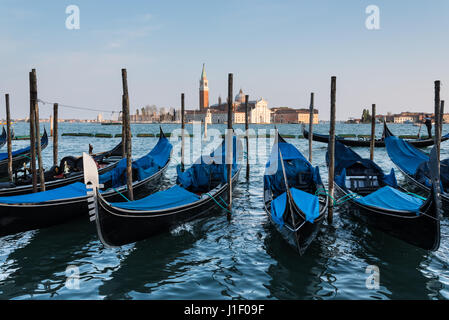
214, 258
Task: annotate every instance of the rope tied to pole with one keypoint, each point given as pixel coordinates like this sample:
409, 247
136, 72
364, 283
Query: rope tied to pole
121, 194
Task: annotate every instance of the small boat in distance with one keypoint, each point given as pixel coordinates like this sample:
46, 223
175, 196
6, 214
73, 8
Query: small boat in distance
379, 143
295, 198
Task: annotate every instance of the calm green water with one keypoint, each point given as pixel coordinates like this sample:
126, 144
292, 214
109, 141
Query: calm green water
213, 258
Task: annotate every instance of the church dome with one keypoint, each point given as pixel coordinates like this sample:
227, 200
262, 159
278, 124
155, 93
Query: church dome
240, 97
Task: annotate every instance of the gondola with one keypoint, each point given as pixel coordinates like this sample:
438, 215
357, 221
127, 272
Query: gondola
294, 196
19, 157
377, 200
414, 166
70, 170
199, 191
379, 143
3, 138
60, 205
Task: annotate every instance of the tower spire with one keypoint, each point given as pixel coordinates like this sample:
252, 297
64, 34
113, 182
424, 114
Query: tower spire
203, 73
204, 90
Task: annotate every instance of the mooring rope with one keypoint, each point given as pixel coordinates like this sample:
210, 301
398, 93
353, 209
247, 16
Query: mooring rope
121, 194
416, 196
339, 201
78, 108
226, 209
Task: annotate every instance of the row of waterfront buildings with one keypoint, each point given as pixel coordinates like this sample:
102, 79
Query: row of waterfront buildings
258, 111
404, 117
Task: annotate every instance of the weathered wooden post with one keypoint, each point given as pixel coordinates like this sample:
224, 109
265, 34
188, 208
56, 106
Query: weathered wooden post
183, 126
123, 130
55, 134
373, 132
441, 118
312, 98
38, 138
332, 151
51, 125
437, 117
229, 145
129, 177
247, 135
8, 138
33, 102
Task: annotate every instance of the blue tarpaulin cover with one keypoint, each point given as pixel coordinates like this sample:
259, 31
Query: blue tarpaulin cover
345, 157
173, 197
4, 155
78, 189
404, 155
296, 167
197, 178
145, 166
74, 190
308, 203
414, 162
391, 198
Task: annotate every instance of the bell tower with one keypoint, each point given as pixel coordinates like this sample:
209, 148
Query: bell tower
204, 91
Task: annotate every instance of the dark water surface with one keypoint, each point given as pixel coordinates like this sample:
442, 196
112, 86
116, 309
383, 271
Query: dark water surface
212, 258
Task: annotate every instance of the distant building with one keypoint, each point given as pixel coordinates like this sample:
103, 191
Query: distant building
291, 115
204, 91
100, 118
258, 111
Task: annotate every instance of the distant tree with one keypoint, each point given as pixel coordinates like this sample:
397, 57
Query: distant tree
366, 117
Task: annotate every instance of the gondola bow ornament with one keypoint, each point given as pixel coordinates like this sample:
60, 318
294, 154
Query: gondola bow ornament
91, 181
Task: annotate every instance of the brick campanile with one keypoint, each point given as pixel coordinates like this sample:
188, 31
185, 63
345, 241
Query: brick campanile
204, 91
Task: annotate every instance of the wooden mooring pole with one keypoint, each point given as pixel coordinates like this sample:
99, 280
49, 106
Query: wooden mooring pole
123, 130
8, 138
33, 101
55, 134
373, 132
183, 126
229, 145
312, 98
126, 124
437, 117
247, 135
331, 148
38, 137
441, 118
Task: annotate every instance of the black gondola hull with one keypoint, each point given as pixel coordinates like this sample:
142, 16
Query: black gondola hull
117, 228
379, 143
302, 238
421, 230
19, 218
20, 159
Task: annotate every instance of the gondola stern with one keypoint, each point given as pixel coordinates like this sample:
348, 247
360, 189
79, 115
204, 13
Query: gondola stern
433, 207
387, 133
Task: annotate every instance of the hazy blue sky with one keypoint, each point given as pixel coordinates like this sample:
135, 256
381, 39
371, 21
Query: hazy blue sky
279, 50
